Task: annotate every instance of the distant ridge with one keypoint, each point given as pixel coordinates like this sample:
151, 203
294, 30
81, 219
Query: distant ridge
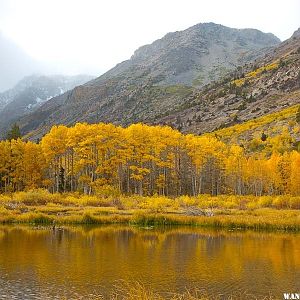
30, 93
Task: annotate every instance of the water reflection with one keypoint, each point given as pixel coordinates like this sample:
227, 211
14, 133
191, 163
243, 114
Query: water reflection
79, 262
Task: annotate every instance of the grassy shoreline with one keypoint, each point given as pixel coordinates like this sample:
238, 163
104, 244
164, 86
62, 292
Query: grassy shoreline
232, 212
287, 220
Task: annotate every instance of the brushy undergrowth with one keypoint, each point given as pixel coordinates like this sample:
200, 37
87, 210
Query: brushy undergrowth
153, 203
245, 212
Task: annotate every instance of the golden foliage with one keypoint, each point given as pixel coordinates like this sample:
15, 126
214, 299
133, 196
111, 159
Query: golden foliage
108, 160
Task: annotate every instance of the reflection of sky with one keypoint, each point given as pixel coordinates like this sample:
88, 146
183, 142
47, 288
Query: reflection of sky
79, 261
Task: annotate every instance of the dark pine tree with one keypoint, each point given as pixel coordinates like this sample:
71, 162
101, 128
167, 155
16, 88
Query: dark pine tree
61, 180
264, 137
14, 133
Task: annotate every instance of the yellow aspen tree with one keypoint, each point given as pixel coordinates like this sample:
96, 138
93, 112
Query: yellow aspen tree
295, 173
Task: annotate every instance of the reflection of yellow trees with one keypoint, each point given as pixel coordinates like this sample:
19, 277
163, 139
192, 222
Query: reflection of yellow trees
2, 234
103, 253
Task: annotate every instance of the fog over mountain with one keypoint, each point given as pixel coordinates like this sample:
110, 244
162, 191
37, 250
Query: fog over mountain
15, 63
32, 92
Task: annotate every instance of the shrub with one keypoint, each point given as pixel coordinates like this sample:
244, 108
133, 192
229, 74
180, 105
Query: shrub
105, 191
4, 211
294, 202
188, 201
252, 205
230, 205
281, 202
5, 198
158, 204
34, 197
265, 201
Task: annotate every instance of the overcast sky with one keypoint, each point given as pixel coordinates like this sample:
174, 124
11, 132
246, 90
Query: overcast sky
91, 36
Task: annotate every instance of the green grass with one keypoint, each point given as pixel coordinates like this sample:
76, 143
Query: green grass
179, 89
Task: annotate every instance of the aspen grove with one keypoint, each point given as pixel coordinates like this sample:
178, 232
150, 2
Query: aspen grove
144, 160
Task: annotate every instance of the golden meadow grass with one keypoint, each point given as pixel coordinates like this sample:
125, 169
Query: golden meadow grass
137, 291
244, 212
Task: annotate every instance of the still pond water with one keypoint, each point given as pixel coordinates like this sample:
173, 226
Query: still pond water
84, 262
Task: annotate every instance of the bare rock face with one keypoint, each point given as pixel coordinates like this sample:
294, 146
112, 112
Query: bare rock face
197, 55
160, 78
204, 49
266, 85
296, 34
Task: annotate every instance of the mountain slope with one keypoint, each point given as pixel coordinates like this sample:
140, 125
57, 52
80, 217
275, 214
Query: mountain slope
30, 93
266, 85
158, 78
280, 129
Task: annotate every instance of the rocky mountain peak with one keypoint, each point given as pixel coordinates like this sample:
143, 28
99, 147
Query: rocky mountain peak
296, 34
202, 36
